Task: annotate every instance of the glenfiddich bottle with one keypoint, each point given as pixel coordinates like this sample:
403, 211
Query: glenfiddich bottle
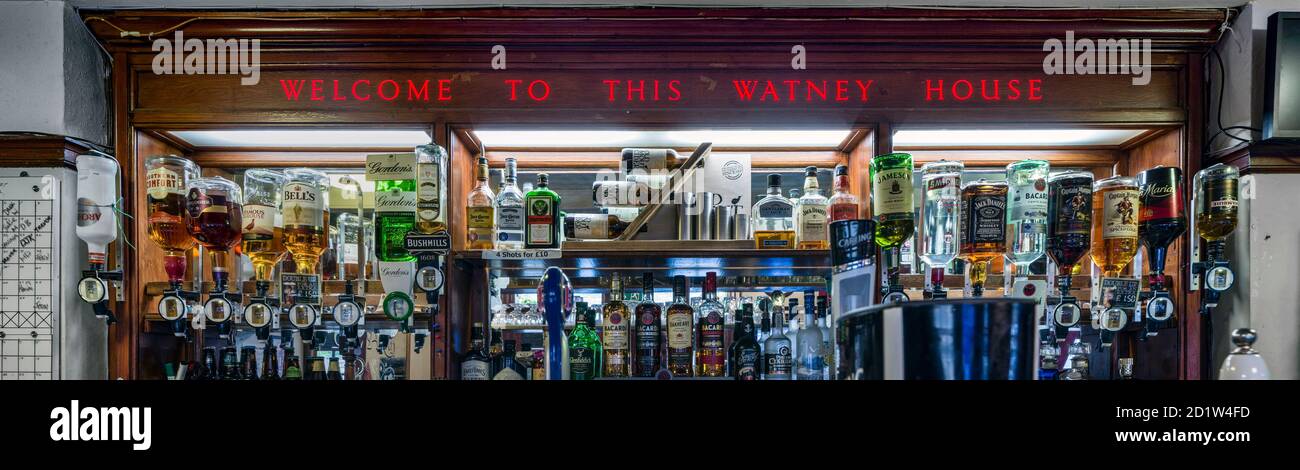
615, 330
983, 228
1162, 218
584, 345
431, 188
940, 214
745, 351
649, 357
772, 218
710, 352
844, 205
480, 210
476, 365
543, 220
1115, 223
810, 215
681, 330
1026, 212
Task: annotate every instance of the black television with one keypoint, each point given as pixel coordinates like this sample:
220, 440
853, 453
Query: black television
1282, 78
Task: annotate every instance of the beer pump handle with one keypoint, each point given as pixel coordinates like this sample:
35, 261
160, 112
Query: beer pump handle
554, 295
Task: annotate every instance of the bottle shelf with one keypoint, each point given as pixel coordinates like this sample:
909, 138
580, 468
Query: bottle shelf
727, 257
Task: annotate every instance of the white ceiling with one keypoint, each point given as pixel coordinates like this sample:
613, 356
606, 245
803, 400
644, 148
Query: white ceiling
370, 4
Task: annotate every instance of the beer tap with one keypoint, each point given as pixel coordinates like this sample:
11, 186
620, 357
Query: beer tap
97, 190
555, 294
349, 312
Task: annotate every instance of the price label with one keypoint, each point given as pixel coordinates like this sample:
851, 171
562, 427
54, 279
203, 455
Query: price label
521, 254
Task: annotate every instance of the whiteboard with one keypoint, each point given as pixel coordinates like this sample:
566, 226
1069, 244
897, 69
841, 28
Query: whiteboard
29, 268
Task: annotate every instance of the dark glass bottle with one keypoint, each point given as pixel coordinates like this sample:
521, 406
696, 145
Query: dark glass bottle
681, 329
270, 363
745, 351
334, 373
648, 337
230, 364
476, 365
209, 369
542, 216
248, 356
584, 345
317, 369
1162, 217
292, 368
1069, 230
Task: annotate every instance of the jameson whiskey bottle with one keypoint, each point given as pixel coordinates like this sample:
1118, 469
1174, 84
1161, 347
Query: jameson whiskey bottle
649, 342
681, 329
616, 320
480, 210
584, 345
431, 179
543, 221
1115, 223
891, 204
983, 228
1026, 213
710, 352
810, 224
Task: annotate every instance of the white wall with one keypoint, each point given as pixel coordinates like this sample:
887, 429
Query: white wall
53, 76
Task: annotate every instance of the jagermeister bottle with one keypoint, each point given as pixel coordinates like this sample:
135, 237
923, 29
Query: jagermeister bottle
543, 215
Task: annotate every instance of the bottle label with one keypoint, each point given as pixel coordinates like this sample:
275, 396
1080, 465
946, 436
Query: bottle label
1160, 200
778, 363
775, 210
593, 226
679, 329
428, 206
711, 337
811, 366
161, 182
1074, 214
581, 363
745, 364
644, 160
615, 331
479, 217
390, 166
891, 192
303, 205
510, 219
1029, 204
541, 217
813, 222
395, 200
1120, 214
1221, 196
987, 219
350, 253
844, 211
474, 370
647, 342
259, 221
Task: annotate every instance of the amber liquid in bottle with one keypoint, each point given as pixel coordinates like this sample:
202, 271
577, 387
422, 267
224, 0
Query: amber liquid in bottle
983, 228
1114, 224
681, 331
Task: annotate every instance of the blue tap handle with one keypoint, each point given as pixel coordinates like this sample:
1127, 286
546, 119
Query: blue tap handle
555, 294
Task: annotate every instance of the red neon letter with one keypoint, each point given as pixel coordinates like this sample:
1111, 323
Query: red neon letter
292, 88
354, 90
930, 90
970, 90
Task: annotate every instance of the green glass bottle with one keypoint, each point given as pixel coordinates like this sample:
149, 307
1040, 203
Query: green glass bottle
584, 345
543, 216
891, 198
394, 218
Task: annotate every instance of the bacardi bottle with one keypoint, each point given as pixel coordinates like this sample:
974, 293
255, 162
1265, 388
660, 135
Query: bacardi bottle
616, 318
1026, 212
710, 352
649, 343
681, 330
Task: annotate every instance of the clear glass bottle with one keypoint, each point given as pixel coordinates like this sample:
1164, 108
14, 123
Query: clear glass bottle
828, 337
812, 361
941, 213
810, 215
431, 192
844, 204
480, 211
772, 218
510, 210
776, 350
615, 321
1027, 194
710, 351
